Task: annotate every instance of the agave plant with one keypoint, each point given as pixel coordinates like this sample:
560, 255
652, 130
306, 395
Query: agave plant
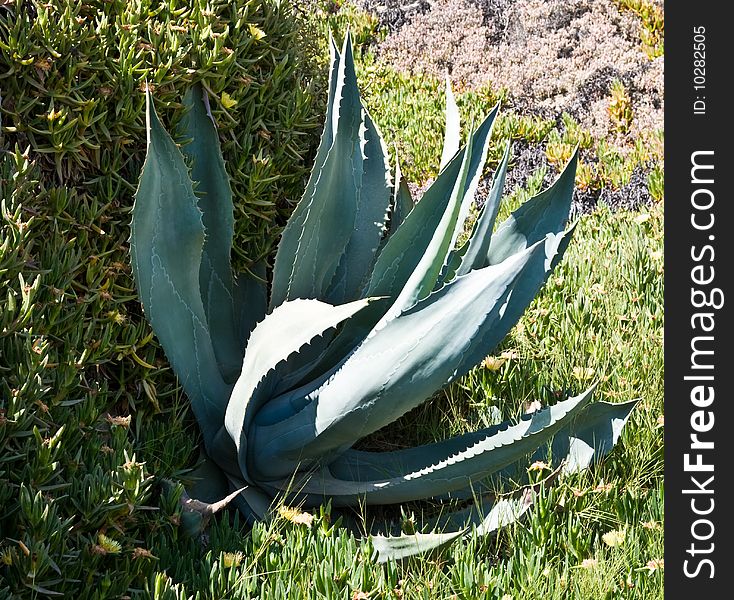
372, 307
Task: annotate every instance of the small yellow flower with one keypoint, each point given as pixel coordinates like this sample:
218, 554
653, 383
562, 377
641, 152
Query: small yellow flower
589, 563
539, 465
227, 101
296, 516
109, 545
232, 559
614, 538
256, 32
583, 373
493, 363
640, 219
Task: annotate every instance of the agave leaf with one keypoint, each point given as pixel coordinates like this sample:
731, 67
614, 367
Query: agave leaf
591, 436
544, 213
405, 545
402, 201
441, 473
215, 202
422, 280
406, 248
473, 254
251, 302
319, 230
283, 332
452, 136
409, 359
488, 516
166, 244
373, 200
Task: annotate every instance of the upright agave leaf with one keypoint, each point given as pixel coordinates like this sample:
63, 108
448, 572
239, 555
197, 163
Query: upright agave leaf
364, 322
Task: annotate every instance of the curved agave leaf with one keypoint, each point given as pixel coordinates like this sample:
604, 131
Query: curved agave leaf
409, 359
402, 546
215, 202
488, 516
546, 212
454, 471
452, 136
293, 324
591, 436
316, 237
166, 244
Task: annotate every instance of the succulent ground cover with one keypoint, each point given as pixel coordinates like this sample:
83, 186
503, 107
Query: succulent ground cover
94, 501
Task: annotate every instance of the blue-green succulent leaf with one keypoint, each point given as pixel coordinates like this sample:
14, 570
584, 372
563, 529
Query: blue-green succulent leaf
474, 255
399, 547
251, 302
321, 226
402, 200
545, 213
166, 244
215, 202
283, 332
589, 438
452, 136
406, 248
423, 279
373, 200
410, 358
441, 473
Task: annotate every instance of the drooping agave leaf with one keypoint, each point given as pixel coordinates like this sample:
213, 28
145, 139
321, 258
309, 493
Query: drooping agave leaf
407, 246
442, 473
488, 516
591, 436
166, 244
319, 230
294, 324
409, 359
546, 212
215, 202
452, 136
399, 547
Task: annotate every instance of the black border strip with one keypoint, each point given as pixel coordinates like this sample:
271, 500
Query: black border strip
699, 259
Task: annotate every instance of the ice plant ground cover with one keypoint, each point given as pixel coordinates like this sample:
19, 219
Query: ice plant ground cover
373, 307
